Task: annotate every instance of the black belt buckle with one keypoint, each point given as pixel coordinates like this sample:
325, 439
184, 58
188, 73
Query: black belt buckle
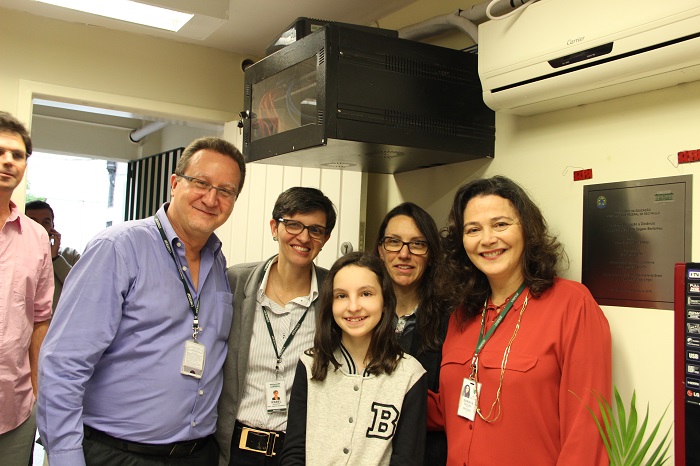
259, 441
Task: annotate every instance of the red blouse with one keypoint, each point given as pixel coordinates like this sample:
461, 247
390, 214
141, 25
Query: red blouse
563, 346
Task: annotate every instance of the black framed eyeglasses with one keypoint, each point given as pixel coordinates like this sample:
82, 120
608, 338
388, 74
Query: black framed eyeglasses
295, 228
390, 244
205, 187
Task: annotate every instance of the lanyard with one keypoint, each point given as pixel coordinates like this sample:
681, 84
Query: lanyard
196, 329
289, 338
483, 338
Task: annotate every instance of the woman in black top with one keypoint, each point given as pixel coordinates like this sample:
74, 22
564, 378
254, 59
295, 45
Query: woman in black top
409, 244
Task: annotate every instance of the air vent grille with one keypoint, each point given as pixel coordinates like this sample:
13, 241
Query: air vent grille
423, 123
427, 70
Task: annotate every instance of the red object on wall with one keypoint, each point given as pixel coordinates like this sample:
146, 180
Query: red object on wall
688, 156
586, 174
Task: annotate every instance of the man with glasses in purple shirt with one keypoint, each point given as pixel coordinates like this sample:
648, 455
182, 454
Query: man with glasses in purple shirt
132, 365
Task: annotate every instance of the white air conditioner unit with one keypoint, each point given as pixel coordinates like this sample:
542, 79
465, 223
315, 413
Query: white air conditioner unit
561, 53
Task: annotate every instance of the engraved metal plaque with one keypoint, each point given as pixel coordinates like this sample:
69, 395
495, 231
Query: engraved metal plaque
634, 232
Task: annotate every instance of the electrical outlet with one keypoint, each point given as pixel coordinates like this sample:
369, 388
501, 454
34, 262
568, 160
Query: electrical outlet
688, 156
580, 175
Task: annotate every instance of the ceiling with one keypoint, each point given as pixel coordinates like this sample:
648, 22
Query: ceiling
240, 26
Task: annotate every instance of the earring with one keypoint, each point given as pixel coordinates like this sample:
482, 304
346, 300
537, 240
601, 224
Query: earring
274, 238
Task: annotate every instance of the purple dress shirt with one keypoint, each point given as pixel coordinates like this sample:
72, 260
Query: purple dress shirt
112, 357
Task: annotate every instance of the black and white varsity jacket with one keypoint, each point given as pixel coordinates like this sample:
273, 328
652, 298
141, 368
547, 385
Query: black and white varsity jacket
356, 419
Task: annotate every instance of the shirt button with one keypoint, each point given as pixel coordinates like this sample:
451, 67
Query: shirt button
470, 427
346, 450
201, 392
179, 245
350, 420
356, 388
184, 267
194, 423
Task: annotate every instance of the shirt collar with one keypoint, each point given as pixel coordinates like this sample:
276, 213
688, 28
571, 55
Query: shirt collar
14, 216
347, 364
302, 300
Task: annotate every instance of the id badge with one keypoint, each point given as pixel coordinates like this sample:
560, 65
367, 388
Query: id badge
276, 396
193, 360
467, 399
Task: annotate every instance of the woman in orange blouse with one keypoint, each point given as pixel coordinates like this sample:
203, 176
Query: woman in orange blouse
522, 342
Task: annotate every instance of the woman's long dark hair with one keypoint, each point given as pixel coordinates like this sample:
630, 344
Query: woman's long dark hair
434, 302
384, 351
541, 254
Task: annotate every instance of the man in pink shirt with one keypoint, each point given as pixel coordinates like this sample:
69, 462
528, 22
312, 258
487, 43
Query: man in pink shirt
26, 290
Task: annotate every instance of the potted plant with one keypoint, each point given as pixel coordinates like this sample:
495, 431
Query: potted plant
623, 435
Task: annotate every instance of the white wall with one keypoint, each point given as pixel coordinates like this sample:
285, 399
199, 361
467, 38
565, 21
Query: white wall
101, 60
81, 64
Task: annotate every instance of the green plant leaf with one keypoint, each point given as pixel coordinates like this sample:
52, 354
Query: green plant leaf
605, 411
634, 435
657, 452
621, 413
643, 450
613, 429
622, 434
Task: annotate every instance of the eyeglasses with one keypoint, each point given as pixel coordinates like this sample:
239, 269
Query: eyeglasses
499, 227
205, 187
295, 228
419, 248
16, 153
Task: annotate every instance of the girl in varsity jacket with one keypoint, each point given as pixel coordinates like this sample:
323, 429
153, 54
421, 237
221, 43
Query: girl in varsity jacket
368, 408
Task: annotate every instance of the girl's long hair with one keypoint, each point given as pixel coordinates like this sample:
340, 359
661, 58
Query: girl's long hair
384, 351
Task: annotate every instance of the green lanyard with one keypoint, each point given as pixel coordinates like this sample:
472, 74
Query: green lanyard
196, 329
289, 338
483, 338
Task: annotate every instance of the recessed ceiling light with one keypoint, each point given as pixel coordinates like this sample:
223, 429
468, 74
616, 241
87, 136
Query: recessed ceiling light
127, 10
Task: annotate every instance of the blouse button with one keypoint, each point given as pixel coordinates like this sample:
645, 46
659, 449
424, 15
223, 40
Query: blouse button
356, 388
350, 420
346, 450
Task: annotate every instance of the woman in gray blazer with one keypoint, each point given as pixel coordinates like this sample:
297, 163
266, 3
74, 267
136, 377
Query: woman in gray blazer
273, 323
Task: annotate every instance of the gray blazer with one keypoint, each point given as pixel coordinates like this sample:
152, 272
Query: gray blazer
245, 280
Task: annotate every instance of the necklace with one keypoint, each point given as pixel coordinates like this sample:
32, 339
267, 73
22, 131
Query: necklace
274, 290
499, 307
497, 402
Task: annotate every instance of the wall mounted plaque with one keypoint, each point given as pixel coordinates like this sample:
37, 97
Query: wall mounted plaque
634, 232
